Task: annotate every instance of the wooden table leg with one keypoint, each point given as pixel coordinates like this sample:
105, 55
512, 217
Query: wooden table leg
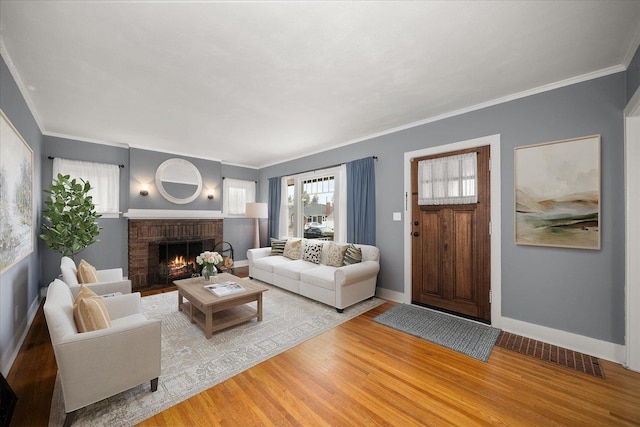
208, 324
259, 299
180, 301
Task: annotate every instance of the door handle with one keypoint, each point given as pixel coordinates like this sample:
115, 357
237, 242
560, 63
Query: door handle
416, 234
416, 223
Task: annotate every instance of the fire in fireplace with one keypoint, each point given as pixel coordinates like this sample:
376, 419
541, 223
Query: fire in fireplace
175, 260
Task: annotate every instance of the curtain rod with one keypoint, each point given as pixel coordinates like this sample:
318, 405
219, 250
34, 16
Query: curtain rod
330, 166
224, 177
51, 158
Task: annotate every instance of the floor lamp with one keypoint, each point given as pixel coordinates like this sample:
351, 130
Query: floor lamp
256, 211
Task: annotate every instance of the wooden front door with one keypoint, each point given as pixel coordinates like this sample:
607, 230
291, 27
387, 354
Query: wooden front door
451, 247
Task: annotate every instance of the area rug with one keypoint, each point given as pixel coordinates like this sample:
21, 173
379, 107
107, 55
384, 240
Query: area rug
551, 353
465, 336
192, 364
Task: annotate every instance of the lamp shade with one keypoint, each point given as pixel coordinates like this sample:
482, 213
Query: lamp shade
256, 210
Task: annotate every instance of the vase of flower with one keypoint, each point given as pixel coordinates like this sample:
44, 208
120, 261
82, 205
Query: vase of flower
208, 260
209, 272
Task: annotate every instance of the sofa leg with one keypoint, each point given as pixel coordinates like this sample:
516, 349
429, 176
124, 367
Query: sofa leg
251, 277
340, 310
70, 418
154, 384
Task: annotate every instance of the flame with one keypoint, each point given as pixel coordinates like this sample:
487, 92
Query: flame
178, 261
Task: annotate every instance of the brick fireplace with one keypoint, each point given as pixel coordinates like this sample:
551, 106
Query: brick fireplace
150, 240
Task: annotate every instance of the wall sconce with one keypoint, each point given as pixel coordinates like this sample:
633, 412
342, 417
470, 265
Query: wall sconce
144, 190
210, 195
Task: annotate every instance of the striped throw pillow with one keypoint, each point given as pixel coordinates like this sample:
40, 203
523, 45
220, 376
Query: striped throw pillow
87, 273
277, 246
89, 311
353, 255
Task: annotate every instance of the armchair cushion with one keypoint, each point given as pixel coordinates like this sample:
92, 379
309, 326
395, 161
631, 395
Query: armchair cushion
87, 273
90, 314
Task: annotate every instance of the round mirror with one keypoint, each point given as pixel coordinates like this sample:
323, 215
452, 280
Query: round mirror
179, 181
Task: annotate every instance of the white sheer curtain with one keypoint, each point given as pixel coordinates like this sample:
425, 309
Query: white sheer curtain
236, 193
448, 180
104, 179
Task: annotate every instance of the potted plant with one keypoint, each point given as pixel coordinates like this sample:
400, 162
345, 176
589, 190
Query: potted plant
69, 219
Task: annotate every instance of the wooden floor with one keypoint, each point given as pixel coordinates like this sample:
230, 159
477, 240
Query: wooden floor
364, 373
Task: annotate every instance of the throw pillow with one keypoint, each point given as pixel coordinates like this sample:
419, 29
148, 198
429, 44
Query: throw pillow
353, 255
335, 254
312, 252
87, 273
89, 311
293, 249
277, 246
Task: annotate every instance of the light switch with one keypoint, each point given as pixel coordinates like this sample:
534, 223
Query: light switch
397, 216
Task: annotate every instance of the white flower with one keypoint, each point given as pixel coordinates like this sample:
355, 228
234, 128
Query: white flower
208, 257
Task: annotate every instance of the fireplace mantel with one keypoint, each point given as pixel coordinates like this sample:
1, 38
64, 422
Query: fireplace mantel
171, 214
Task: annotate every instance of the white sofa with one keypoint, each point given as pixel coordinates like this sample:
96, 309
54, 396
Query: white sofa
339, 287
109, 281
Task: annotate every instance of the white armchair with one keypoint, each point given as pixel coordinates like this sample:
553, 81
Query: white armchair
99, 364
109, 281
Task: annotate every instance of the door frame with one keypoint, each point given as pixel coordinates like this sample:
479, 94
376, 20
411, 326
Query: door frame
493, 141
632, 231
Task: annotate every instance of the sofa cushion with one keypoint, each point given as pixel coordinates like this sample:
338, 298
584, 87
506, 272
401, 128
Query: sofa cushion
277, 246
353, 255
89, 311
267, 263
335, 254
292, 269
312, 252
293, 249
323, 277
87, 273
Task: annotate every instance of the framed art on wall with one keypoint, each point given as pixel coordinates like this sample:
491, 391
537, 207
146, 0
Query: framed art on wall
557, 193
16, 195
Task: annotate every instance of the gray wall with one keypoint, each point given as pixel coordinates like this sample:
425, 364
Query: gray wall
19, 284
633, 75
578, 291
111, 250
143, 170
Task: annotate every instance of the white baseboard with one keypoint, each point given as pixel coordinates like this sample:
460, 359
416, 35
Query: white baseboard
390, 295
241, 263
16, 343
591, 346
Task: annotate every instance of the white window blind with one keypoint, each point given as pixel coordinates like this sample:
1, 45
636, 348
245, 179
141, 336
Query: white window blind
448, 180
104, 179
236, 193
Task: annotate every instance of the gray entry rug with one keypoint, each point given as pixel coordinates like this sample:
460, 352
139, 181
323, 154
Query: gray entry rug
465, 336
192, 364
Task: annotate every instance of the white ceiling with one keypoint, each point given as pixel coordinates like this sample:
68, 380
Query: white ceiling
256, 83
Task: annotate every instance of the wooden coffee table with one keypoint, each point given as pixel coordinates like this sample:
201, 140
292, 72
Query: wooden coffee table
213, 313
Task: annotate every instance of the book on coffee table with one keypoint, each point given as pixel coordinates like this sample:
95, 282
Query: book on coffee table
225, 288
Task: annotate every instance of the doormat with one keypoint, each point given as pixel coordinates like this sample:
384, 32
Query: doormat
551, 353
465, 336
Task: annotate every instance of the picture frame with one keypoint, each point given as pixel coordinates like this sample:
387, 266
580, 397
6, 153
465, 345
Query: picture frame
557, 193
16, 196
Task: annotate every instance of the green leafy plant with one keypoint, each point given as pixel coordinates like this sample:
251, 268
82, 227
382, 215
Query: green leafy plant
69, 219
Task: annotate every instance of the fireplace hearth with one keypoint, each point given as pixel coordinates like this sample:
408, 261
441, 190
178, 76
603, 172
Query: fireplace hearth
161, 251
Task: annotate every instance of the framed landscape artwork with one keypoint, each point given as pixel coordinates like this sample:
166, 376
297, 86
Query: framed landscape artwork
16, 196
557, 200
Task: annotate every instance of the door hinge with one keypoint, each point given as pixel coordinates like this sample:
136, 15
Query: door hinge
490, 297
489, 164
489, 228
